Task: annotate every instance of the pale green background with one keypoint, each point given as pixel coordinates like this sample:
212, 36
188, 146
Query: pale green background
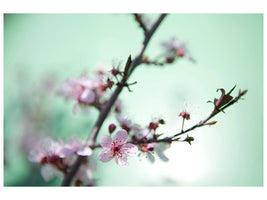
228, 49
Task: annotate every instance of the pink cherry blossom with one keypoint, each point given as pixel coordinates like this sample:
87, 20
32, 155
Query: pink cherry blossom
118, 148
175, 48
186, 111
86, 92
80, 89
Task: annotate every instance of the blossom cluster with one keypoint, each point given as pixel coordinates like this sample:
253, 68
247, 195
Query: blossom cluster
87, 91
175, 49
57, 158
141, 136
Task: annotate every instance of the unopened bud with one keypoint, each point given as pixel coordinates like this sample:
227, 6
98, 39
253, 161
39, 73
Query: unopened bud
111, 128
169, 60
180, 52
145, 59
161, 121
153, 126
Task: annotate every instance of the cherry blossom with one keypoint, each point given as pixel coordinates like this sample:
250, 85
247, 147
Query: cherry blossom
127, 124
87, 92
57, 157
175, 48
186, 111
118, 148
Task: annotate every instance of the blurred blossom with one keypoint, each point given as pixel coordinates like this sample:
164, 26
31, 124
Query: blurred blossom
175, 49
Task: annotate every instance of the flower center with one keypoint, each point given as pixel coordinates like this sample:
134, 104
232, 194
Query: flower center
116, 150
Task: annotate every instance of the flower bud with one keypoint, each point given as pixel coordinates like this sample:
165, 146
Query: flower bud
169, 60
111, 128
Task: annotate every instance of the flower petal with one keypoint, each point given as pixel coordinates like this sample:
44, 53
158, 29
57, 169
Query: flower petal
88, 96
105, 141
150, 157
121, 161
87, 151
105, 155
66, 152
121, 137
48, 172
129, 149
159, 148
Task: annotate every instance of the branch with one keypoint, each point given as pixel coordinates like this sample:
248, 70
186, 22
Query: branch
104, 112
214, 113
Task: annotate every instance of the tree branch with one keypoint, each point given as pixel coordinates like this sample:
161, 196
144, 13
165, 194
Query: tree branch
104, 112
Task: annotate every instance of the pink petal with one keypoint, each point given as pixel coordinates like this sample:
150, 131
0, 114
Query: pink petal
105, 141
85, 151
129, 149
88, 96
105, 155
66, 152
121, 161
121, 137
150, 157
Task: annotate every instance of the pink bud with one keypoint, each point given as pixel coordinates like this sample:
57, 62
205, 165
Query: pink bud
111, 128
185, 115
180, 52
153, 126
169, 60
145, 59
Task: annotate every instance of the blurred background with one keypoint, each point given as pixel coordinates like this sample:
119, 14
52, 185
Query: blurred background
42, 50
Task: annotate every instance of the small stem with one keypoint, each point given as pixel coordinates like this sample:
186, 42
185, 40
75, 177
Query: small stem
183, 125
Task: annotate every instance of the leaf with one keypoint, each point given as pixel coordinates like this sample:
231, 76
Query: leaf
210, 123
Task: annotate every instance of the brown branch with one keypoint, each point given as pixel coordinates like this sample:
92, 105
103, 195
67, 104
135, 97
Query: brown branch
213, 114
104, 112
200, 124
139, 20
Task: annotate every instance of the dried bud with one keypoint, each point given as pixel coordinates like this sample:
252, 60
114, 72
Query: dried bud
161, 121
223, 100
189, 139
109, 83
115, 72
111, 128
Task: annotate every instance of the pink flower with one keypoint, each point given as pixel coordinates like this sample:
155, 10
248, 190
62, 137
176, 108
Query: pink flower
186, 111
124, 122
175, 48
127, 124
57, 157
118, 148
80, 90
